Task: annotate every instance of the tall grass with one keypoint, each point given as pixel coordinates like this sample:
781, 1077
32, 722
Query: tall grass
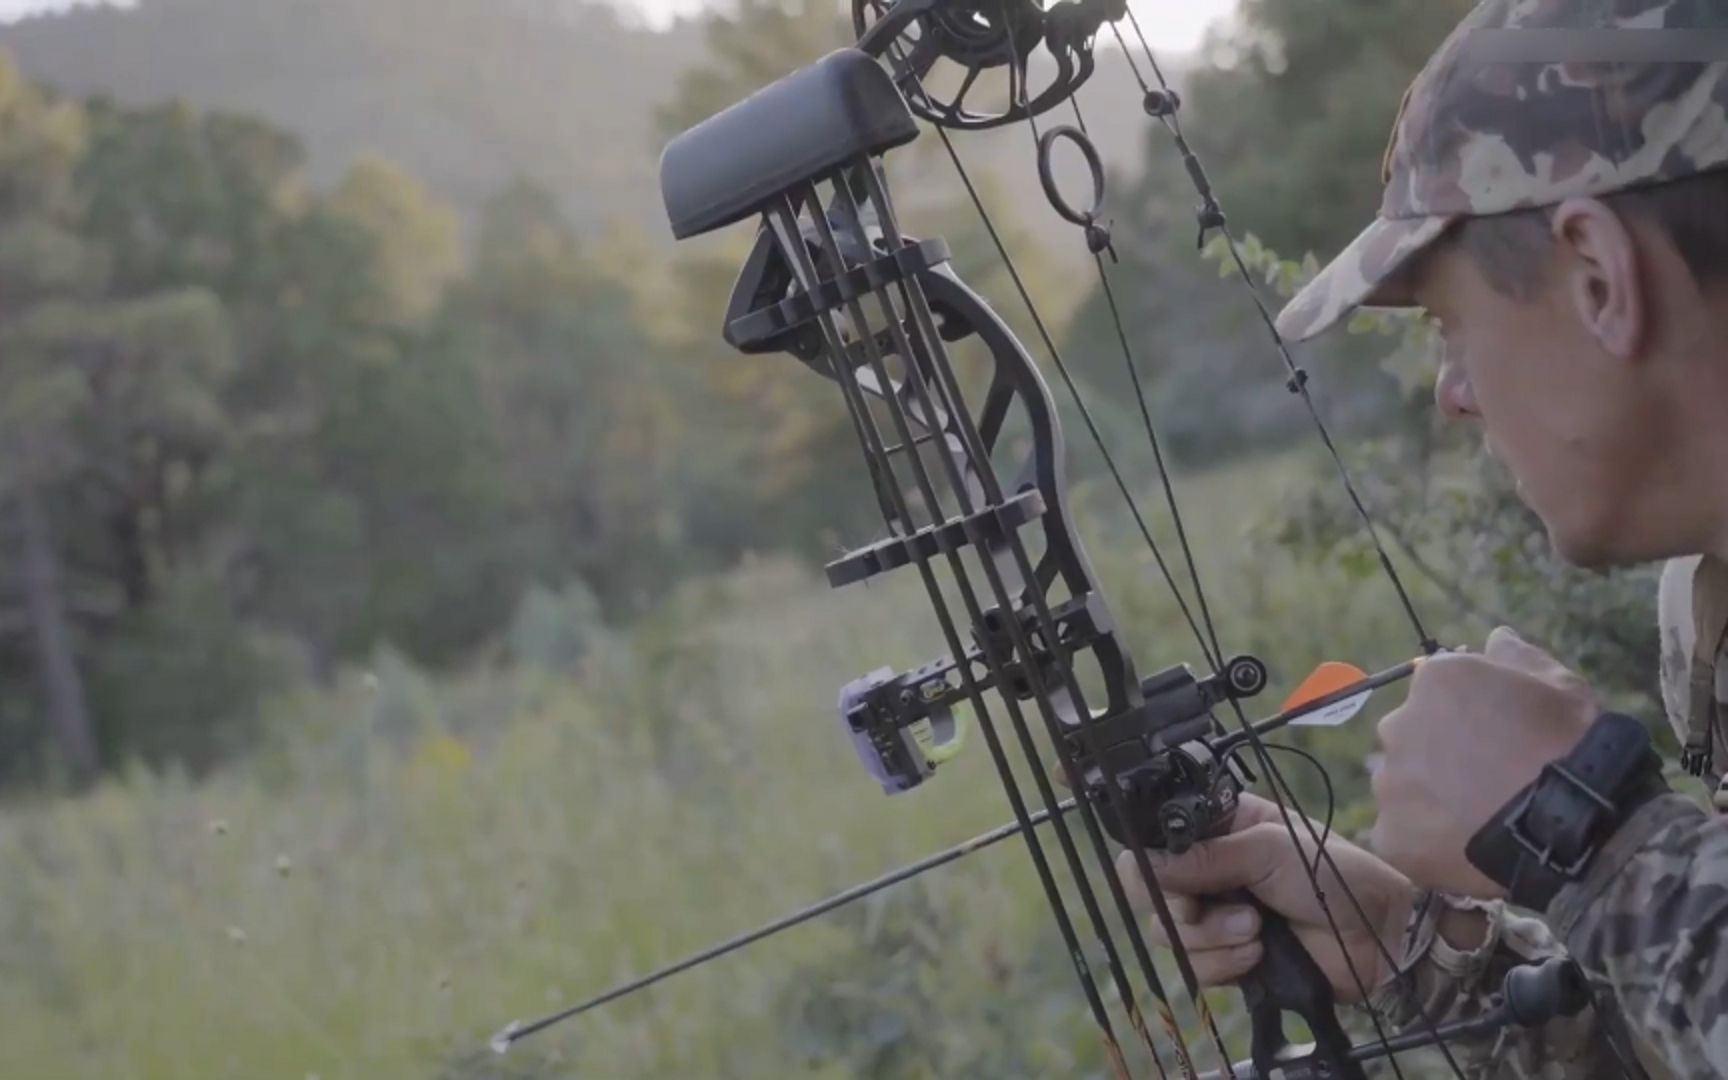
414, 861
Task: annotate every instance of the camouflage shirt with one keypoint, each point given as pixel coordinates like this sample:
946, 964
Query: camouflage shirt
1645, 924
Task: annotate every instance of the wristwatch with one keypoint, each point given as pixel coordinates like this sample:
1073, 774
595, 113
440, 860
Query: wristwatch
1548, 833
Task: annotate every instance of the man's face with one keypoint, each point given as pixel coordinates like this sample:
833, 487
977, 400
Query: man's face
1571, 422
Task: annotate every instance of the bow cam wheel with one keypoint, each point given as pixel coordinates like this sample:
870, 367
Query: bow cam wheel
962, 64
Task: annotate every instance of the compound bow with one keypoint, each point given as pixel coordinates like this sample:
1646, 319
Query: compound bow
834, 282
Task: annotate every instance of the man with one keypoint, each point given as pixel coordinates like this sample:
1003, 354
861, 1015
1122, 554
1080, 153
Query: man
1565, 225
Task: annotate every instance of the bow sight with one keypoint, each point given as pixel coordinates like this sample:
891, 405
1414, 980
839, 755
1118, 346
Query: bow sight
1178, 787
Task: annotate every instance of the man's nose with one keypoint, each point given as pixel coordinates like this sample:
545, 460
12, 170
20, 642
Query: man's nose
1452, 394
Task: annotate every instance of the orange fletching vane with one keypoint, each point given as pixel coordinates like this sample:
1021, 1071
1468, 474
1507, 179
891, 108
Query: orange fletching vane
1328, 679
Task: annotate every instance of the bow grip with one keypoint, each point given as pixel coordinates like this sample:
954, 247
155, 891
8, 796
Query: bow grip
1289, 980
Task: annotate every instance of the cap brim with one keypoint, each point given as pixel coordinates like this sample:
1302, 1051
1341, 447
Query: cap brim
1365, 274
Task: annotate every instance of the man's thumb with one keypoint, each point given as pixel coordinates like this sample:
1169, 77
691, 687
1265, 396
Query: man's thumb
1506, 647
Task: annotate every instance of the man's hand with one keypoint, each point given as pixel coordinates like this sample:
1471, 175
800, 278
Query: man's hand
1472, 733
1223, 940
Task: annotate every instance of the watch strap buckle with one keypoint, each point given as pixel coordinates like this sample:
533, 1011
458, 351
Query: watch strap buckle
1544, 852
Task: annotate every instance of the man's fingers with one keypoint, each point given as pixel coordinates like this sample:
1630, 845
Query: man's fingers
1184, 912
1238, 860
1219, 967
1223, 927
1252, 809
1505, 646
1210, 928
1184, 907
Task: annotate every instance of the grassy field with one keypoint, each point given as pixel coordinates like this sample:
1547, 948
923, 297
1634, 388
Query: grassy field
413, 861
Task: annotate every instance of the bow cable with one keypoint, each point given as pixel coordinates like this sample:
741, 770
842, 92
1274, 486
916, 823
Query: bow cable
1211, 216
1209, 644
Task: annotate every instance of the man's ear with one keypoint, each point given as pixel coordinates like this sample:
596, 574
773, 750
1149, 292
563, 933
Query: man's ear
1604, 279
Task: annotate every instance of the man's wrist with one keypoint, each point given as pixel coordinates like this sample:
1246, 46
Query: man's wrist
1426, 920
1443, 952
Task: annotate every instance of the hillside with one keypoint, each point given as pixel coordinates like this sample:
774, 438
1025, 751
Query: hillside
463, 94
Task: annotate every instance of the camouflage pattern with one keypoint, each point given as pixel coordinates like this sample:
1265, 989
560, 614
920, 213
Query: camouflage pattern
1642, 923
1478, 136
1446, 984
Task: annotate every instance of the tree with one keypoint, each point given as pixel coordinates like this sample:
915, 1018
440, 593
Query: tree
40, 141
585, 408
1301, 100
461, 93
229, 417
414, 238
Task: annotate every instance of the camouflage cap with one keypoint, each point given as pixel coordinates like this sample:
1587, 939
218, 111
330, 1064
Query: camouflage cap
1484, 131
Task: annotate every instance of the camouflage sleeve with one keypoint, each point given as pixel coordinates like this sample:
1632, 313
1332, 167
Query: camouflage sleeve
1440, 984
1646, 923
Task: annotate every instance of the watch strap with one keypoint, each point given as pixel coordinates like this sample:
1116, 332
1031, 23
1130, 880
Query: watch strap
1547, 834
